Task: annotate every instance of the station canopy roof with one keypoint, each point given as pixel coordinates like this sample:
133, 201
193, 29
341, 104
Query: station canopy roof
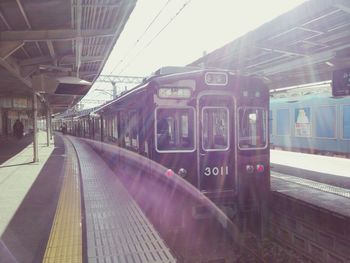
302, 46
49, 39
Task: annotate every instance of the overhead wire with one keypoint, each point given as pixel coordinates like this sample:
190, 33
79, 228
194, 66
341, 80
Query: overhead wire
146, 30
139, 39
150, 42
141, 36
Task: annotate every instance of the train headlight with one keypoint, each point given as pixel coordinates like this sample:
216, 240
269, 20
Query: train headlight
260, 168
182, 172
249, 168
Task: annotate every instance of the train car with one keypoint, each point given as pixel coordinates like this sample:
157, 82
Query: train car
209, 126
312, 122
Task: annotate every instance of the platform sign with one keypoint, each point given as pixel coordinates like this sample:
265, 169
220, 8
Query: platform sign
5, 102
341, 82
302, 122
20, 103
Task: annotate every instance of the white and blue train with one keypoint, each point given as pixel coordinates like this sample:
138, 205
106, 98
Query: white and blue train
314, 122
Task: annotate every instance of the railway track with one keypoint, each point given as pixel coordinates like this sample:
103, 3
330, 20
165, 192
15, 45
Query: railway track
313, 184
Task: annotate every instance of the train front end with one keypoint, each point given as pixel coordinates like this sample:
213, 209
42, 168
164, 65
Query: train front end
211, 128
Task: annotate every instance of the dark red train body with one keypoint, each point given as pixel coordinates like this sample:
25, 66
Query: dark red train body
208, 126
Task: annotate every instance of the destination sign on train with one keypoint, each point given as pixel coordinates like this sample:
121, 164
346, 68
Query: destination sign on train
174, 92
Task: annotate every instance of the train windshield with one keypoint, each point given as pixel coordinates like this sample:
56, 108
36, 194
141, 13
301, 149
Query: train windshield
252, 128
175, 129
215, 129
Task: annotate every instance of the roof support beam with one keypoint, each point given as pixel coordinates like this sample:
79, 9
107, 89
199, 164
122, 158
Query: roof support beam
284, 52
15, 71
86, 59
343, 5
344, 8
27, 22
3, 19
303, 61
79, 41
36, 60
7, 48
101, 5
87, 73
28, 70
52, 51
23, 13
55, 34
70, 59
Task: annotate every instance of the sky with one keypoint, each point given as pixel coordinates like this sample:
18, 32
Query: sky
177, 32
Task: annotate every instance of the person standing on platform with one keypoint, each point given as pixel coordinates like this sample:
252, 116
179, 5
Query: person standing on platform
64, 128
18, 129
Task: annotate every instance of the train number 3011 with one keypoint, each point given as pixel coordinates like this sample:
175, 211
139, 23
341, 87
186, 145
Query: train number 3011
215, 171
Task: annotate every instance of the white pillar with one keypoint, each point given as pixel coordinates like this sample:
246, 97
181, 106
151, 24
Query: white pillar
35, 128
47, 125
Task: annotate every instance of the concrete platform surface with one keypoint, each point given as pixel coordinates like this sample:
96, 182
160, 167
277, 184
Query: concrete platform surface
28, 200
317, 163
18, 173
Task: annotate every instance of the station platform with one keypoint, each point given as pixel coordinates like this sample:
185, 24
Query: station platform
18, 172
28, 196
116, 228
10, 146
324, 169
321, 181
70, 207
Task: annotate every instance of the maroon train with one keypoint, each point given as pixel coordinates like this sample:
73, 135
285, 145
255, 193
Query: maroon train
209, 126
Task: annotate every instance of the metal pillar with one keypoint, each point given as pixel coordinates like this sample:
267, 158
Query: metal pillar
102, 129
114, 90
48, 126
35, 128
50, 122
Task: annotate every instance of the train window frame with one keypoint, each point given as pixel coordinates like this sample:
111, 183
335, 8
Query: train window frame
132, 126
228, 129
335, 119
267, 134
271, 122
276, 123
194, 129
216, 73
342, 121
115, 133
124, 128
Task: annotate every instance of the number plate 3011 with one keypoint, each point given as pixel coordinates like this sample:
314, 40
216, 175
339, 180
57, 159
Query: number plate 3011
216, 171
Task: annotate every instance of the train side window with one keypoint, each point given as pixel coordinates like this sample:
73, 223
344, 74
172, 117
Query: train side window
215, 131
175, 129
115, 128
105, 127
270, 121
282, 122
252, 128
134, 130
325, 122
98, 128
124, 129
346, 122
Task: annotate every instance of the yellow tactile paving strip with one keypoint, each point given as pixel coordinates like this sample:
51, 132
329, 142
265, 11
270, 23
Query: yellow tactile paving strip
65, 242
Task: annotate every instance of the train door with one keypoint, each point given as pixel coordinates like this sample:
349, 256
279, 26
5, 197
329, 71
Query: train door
216, 157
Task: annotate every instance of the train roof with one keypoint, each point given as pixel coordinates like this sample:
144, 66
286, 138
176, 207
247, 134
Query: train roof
168, 74
165, 75
310, 98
